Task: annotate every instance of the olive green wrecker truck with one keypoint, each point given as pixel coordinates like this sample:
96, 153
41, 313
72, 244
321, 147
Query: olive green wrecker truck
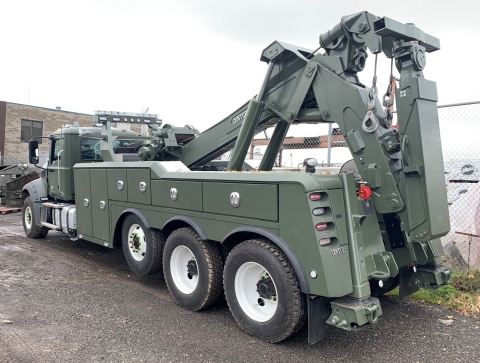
284, 247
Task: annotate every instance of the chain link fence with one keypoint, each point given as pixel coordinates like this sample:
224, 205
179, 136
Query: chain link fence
459, 127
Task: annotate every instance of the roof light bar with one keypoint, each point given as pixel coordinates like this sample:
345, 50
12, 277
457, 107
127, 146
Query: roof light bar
126, 117
127, 114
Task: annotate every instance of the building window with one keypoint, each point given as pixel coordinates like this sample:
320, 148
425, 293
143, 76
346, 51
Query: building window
31, 129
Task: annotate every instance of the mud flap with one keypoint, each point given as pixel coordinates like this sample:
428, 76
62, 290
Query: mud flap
405, 286
319, 310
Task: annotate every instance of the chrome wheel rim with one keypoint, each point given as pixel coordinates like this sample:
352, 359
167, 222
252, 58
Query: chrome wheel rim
182, 276
255, 306
28, 217
137, 242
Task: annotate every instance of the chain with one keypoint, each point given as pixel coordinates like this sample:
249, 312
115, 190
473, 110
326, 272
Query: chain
370, 122
372, 95
388, 98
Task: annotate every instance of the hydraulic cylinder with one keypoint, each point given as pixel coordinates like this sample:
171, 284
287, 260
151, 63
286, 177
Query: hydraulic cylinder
274, 145
252, 116
254, 110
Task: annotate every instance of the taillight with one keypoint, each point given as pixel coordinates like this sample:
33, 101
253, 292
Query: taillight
324, 241
318, 211
315, 196
321, 226
364, 192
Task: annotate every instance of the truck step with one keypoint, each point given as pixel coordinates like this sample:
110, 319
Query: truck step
50, 226
54, 205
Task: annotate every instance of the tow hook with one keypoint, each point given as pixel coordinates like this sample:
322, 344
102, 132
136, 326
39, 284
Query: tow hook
352, 314
371, 313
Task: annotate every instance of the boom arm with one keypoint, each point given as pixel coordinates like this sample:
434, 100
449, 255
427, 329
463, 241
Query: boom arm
404, 167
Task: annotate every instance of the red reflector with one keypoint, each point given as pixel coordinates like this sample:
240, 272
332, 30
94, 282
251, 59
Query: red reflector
315, 196
321, 226
364, 192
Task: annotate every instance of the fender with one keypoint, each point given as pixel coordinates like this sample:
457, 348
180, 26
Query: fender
191, 222
36, 189
138, 214
283, 246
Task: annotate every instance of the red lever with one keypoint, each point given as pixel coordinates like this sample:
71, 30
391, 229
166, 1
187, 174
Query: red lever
364, 192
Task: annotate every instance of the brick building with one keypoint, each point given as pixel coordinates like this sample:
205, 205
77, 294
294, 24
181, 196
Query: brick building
19, 123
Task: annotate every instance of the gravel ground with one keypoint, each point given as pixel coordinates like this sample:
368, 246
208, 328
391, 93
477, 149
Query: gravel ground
78, 302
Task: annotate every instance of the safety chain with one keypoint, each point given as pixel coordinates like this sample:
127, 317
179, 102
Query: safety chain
370, 122
372, 95
388, 99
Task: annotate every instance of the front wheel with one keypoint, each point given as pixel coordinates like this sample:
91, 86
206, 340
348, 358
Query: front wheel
29, 223
263, 292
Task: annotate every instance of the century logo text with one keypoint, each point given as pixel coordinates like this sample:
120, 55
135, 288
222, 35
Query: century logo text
239, 117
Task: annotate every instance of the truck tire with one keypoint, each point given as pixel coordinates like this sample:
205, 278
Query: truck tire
193, 269
29, 223
263, 292
142, 246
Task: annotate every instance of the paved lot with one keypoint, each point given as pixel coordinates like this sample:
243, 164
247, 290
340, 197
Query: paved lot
78, 302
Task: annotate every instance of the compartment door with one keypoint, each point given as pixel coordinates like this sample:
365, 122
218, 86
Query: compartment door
100, 214
256, 201
83, 202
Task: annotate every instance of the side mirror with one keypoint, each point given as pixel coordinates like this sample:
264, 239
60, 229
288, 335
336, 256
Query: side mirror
33, 152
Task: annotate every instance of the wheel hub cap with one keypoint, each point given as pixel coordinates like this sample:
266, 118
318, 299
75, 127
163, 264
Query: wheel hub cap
137, 242
265, 288
28, 217
192, 269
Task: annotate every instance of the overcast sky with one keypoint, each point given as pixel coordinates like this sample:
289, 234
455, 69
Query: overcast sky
196, 61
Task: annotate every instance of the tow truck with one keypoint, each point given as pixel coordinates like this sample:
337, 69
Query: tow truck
284, 248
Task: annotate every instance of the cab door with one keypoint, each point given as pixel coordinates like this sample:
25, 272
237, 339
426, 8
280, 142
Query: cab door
54, 168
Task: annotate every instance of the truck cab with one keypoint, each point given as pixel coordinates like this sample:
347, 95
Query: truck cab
55, 189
